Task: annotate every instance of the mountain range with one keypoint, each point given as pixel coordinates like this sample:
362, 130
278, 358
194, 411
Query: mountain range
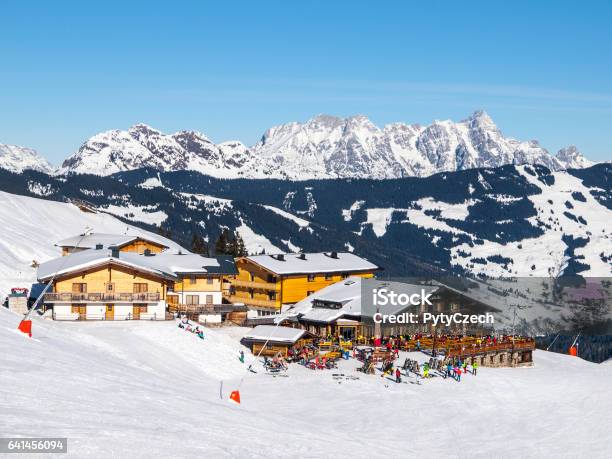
510, 221
325, 147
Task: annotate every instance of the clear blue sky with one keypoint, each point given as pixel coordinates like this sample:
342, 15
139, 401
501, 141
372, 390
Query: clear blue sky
68, 70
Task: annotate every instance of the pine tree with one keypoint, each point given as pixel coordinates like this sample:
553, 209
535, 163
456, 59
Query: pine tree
222, 243
198, 245
239, 247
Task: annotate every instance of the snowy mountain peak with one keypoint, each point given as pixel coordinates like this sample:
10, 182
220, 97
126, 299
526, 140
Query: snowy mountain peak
323, 147
17, 159
572, 158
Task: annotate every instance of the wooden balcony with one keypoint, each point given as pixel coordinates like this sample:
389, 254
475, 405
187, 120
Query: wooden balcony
254, 284
271, 304
205, 308
101, 297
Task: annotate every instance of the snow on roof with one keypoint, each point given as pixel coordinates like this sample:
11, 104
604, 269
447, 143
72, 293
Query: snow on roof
324, 262
346, 293
163, 264
275, 334
91, 240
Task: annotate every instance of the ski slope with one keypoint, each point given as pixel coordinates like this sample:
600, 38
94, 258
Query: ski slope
150, 389
31, 227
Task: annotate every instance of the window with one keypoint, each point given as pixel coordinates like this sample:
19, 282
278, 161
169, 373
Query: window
271, 279
141, 287
209, 280
328, 277
192, 280
272, 295
209, 299
311, 277
345, 275
110, 287
252, 276
109, 307
251, 294
79, 288
193, 299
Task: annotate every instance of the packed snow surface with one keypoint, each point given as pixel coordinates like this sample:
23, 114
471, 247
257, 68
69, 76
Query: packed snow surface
150, 389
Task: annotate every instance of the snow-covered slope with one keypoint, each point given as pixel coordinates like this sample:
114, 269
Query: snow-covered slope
323, 147
146, 389
17, 159
31, 227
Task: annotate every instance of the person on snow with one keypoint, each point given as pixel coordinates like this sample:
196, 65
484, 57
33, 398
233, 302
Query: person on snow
418, 345
398, 375
474, 368
449, 369
465, 367
458, 373
241, 358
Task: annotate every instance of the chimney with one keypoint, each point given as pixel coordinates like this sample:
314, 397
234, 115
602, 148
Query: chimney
114, 251
280, 257
147, 253
334, 255
302, 256
99, 246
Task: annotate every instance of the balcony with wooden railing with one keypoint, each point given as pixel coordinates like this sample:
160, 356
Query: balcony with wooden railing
97, 297
271, 304
254, 284
205, 308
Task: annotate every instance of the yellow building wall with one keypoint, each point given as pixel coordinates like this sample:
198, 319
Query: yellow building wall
246, 268
201, 284
289, 289
295, 288
140, 247
98, 279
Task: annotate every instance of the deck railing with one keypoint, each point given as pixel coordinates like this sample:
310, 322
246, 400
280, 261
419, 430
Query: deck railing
254, 284
271, 304
205, 308
101, 297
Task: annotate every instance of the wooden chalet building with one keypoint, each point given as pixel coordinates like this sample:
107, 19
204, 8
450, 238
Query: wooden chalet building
338, 310
268, 283
124, 242
275, 339
102, 283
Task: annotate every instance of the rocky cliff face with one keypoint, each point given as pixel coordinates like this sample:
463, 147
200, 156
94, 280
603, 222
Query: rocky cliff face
323, 147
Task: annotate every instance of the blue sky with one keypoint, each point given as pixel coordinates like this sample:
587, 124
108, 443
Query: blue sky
542, 70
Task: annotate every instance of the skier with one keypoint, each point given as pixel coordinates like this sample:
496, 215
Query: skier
474, 368
458, 373
241, 358
398, 375
449, 369
465, 367
418, 345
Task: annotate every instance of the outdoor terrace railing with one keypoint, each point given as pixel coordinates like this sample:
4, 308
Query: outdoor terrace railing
205, 308
254, 284
101, 297
253, 301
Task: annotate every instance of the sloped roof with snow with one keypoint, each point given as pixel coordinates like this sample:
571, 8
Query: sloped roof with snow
107, 240
274, 333
313, 263
346, 294
163, 264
